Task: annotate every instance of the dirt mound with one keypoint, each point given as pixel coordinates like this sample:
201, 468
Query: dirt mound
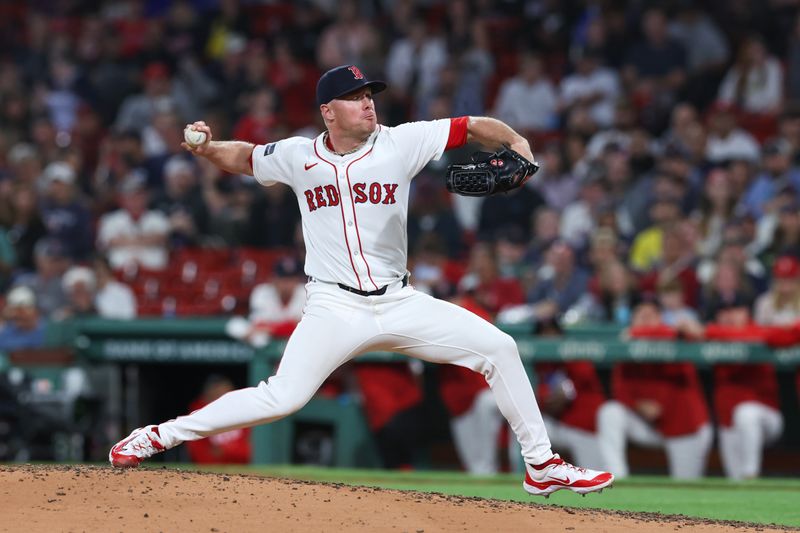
90, 498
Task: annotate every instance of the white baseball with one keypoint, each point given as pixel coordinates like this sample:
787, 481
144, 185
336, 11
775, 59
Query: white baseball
193, 137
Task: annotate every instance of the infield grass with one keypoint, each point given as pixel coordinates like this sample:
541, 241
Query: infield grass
766, 501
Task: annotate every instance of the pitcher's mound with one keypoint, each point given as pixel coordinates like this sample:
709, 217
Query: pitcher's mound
91, 498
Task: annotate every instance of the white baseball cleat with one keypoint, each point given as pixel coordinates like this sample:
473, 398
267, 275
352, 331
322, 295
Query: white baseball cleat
136, 447
557, 474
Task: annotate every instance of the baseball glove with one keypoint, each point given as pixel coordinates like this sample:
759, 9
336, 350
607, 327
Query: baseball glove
489, 174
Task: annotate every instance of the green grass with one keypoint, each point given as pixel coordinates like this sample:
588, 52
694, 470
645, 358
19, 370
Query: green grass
768, 501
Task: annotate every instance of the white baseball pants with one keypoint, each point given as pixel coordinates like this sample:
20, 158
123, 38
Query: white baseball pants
617, 424
338, 325
741, 445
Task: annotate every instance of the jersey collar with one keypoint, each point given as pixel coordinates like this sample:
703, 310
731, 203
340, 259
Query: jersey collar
367, 145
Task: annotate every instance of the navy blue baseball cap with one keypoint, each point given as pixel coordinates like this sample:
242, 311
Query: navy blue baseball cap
339, 81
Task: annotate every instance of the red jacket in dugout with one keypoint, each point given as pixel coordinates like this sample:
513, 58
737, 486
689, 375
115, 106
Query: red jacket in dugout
736, 383
675, 387
581, 411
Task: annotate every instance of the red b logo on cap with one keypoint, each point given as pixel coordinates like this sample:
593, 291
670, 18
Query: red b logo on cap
356, 72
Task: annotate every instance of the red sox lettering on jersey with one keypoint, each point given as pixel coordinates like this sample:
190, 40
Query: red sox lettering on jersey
376, 193
354, 206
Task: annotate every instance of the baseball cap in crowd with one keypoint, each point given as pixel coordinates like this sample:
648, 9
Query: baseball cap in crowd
155, 71
288, 267
339, 81
21, 152
78, 274
786, 267
49, 247
21, 297
777, 147
59, 171
177, 165
133, 182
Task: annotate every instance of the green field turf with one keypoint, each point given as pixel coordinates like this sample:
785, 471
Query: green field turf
768, 501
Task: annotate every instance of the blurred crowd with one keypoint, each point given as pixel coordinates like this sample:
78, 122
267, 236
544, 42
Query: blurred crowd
668, 134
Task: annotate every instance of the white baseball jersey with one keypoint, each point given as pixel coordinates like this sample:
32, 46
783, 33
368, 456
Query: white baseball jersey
354, 207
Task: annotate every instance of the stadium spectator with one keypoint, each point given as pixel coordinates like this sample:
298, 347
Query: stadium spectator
706, 48
430, 213
545, 223
678, 261
655, 405
258, 125
231, 447
780, 305
182, 203
655, 68
113, 299
591, 86
778, 172
559, 284
728, 286
714, 212
726, 140
755, 83
22, 327
647, 248
674, 311
274, 217
281, 300
778, 231
349, 40
491, 291
65, 215
51, 262
134, 234
25, 226
79, 284
555, 183
616, 296
501, 211
528, 101
429, 267
579, 218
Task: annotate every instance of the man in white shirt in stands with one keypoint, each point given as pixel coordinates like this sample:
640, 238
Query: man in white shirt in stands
283, 298
134, 234
528, 101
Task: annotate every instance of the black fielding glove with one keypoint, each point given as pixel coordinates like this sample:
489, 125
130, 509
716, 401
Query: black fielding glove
490, 174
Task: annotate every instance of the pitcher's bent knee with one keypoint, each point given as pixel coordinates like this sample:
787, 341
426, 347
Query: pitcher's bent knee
500, 351
281, 400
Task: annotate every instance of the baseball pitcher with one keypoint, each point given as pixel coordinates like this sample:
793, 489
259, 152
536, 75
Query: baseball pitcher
352, 185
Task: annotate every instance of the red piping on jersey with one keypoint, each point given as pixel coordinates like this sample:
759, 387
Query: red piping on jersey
341, 207
458, 133
355, 219
250, 160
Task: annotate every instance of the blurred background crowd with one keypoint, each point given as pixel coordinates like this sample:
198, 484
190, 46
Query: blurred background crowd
668, 135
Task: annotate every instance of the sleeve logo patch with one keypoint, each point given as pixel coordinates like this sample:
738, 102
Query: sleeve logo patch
268, 149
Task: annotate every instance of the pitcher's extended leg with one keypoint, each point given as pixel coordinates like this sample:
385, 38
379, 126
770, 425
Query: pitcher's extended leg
323, 340
441, 332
